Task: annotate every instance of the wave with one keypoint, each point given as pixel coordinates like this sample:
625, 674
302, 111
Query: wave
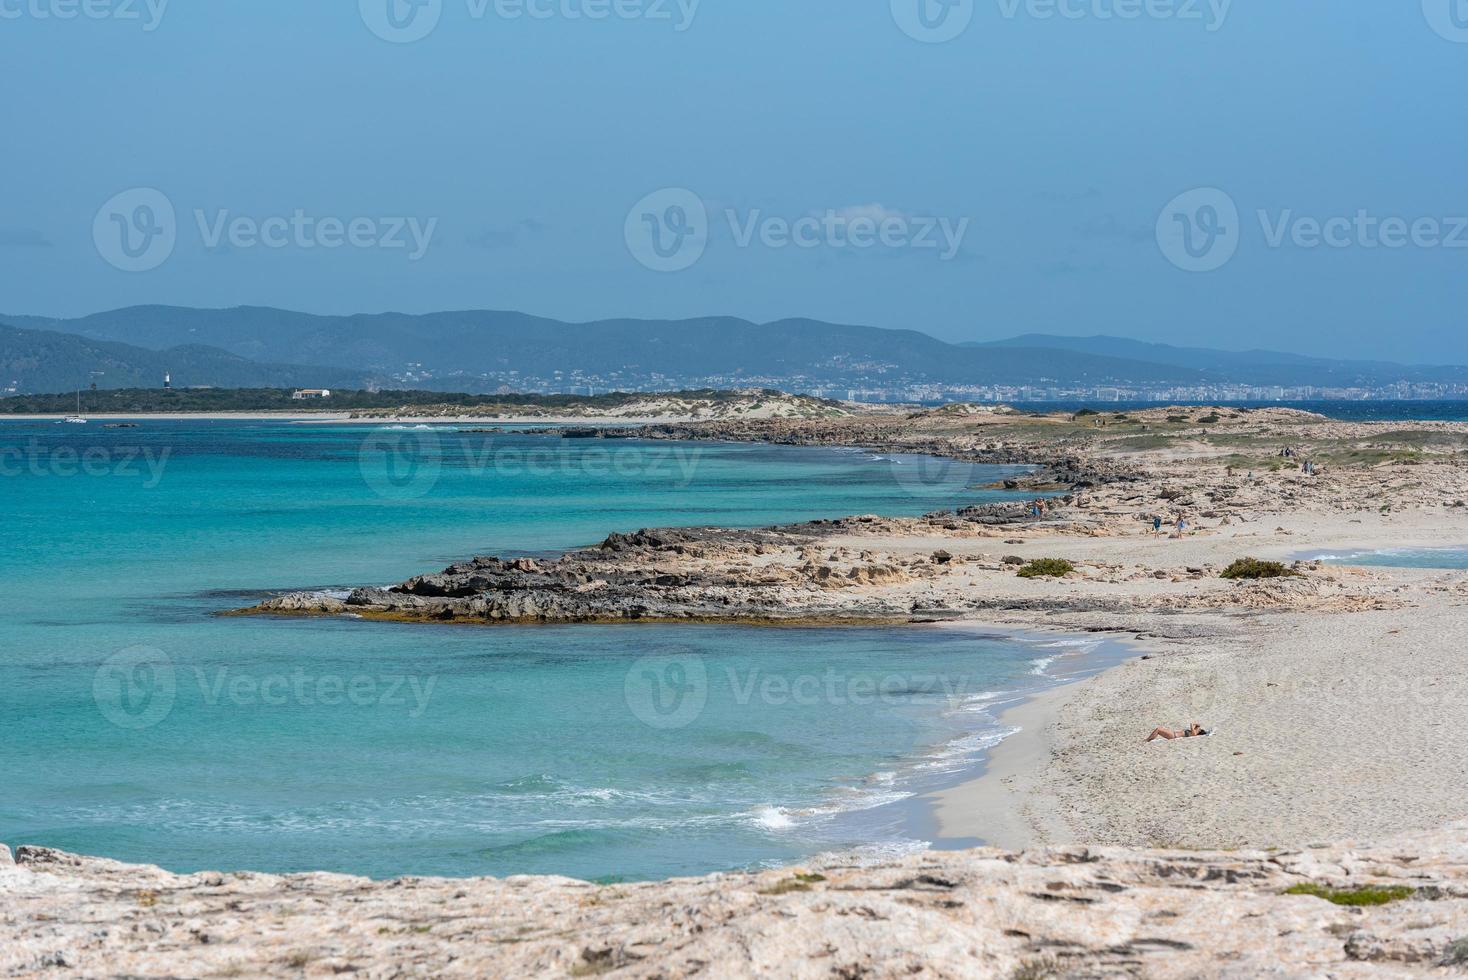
958, 754
852, 801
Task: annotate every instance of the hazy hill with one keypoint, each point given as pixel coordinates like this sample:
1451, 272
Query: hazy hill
43, 360
480, 350
457, 345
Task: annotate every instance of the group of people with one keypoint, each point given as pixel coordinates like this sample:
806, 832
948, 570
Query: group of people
1306, 466
1180, 525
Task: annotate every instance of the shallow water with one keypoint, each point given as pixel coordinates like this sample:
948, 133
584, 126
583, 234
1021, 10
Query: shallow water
140, 726
1400, 557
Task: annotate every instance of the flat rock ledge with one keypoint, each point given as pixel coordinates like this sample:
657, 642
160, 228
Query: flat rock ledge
1061, 912
775, 575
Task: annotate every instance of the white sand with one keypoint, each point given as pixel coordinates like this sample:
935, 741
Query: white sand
1326, 724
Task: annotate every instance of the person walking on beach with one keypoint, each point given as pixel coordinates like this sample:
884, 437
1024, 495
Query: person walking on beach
1156, 525
1182, 526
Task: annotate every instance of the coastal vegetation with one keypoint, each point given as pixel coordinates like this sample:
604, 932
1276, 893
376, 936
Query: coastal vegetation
1253, 568
1356, 897
1047, 568
150, 401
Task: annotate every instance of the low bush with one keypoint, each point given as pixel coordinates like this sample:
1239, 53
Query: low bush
1366, 895
1047, 568
1253, 568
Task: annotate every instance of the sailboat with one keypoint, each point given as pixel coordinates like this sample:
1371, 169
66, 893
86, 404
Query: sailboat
77, 418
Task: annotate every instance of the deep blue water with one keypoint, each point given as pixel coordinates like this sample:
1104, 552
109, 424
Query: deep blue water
140, 726
1350, 411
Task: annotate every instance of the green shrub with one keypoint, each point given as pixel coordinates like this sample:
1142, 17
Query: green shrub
1365, 895
1253, 568
1047, 568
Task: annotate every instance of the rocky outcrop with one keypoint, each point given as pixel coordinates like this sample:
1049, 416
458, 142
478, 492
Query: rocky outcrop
1056, 912
777, 575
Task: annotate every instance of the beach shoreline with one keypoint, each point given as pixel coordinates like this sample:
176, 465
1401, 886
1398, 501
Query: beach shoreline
1080, 775
1331, 694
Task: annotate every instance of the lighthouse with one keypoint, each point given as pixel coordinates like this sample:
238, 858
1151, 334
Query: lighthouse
167, 382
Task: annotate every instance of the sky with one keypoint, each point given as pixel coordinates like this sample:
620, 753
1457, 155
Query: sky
1227, 173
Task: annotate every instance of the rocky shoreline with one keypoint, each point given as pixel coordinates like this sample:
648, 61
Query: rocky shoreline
1048, 912
779, 575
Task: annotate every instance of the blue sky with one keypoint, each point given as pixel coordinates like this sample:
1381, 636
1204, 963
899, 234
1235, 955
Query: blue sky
1038, 171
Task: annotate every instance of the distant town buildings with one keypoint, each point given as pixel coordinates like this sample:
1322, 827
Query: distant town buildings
876, 384
302, 394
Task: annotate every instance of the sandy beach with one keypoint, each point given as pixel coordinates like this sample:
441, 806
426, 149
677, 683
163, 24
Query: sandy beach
1328, 691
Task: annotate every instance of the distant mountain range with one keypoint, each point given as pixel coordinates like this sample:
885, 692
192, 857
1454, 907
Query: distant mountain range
48, 361
484, 350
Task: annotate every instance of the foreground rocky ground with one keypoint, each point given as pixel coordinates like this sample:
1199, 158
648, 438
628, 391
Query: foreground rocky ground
1056, 912
1335, 694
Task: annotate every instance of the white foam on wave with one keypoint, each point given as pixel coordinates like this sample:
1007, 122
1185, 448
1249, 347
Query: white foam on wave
958, 753
772, 818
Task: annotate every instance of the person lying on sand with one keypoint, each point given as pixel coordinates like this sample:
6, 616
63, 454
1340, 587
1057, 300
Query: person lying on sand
1192, 731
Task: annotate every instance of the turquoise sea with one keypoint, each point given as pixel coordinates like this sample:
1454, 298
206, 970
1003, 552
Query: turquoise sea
1400, 557
140, 726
